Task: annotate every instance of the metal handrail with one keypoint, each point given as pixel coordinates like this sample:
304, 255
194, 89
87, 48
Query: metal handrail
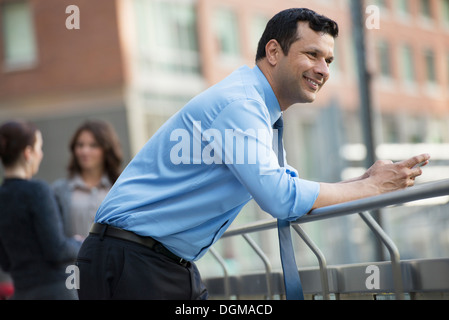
418, 192
362, 206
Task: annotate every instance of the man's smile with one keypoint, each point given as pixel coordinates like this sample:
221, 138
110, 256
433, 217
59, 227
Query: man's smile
313, 84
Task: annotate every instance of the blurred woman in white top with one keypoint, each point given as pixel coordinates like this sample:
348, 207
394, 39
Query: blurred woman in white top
95, 165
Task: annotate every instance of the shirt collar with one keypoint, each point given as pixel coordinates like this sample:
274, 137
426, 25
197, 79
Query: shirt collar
270, 98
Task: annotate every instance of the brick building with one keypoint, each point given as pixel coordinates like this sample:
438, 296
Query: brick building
56, 76
135, 62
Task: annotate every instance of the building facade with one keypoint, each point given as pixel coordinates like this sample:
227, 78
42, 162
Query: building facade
58, 77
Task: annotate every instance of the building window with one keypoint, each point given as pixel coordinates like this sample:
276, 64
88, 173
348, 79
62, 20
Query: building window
447, 68
384, 59
445, 12
403, 7
336, 65
408, 67
426, 9
167, 36
390, 129
258, 24
430, 66
381, 3
227, 33
19, 44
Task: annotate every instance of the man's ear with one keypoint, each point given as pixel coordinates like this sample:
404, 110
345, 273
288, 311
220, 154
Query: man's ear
273, 51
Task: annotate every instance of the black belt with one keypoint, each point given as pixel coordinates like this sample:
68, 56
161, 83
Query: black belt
110, 231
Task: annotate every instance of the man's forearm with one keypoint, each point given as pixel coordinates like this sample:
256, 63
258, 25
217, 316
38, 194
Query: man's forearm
383, 176
334, 193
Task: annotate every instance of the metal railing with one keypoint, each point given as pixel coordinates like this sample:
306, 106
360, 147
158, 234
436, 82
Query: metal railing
360, 207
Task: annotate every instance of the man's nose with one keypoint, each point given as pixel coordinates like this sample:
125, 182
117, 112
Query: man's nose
322, 68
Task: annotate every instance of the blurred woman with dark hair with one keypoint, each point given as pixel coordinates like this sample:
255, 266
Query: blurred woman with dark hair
33, 248
95, 164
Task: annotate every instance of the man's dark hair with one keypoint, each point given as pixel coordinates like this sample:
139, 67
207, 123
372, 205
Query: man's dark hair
284, 25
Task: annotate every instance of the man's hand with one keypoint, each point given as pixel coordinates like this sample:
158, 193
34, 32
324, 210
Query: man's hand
384, 176
388, 176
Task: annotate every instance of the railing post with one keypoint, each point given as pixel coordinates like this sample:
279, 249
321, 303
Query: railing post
220, 260
394, 253
265, 260
321, 259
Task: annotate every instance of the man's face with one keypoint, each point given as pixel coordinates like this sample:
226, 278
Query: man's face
302, 73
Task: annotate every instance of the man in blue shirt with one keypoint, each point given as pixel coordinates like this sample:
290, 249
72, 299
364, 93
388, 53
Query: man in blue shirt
188, 183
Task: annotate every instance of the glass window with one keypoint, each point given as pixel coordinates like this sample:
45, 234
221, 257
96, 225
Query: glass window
403, 7
425, 8
430, 65
390, 128
227, 33
258, 24
336, 65
384, 58
18, 35
167, 35
408, 68
447, 68
381, 3
445, 13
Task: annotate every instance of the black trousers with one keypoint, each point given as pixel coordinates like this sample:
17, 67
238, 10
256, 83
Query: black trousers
111, 268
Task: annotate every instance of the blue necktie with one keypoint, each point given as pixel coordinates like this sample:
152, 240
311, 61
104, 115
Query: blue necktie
292, 282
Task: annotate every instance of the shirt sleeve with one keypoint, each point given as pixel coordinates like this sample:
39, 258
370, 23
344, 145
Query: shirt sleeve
249, 155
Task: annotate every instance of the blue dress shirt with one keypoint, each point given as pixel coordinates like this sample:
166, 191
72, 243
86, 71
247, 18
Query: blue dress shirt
192, 178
